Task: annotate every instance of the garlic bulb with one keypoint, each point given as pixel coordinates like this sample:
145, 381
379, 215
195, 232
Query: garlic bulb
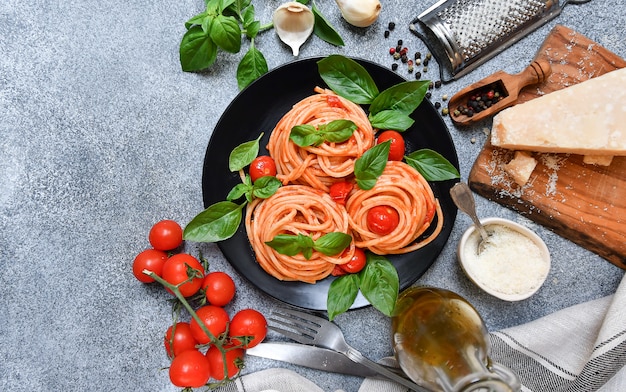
359, 13
294, 24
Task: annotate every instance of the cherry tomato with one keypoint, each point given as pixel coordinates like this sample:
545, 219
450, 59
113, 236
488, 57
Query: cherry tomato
356, 263
190, 369
382, 220
181, 267
261, 166
338, 271
183, 340
339, 191
233, 357
215, 318
166, 235
219, 288
396, 149
151, 260
249, 323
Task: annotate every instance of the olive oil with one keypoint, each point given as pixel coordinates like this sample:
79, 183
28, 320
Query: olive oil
440, 340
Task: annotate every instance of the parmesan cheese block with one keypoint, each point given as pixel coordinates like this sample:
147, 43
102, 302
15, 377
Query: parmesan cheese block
588, 118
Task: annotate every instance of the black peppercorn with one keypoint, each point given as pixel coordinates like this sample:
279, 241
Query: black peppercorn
399, 42
386, 33
391, 26
438, 84
418, 75
437, 105
428, 95
394, 66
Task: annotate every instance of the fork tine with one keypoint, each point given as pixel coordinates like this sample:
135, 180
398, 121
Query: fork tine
300, 338
292, 313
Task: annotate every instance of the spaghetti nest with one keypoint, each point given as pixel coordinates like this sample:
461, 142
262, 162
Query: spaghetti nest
319, 166
403, 188
296, 209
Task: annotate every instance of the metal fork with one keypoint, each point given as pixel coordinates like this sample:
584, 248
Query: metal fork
306, 328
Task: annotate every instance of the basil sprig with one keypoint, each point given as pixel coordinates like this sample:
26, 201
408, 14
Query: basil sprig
223, 24
336, 131
378, 282
329, 244
221, 220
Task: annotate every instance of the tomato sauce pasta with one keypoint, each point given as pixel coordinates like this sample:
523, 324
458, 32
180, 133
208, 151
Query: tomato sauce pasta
296, 209
403, 188
319, 166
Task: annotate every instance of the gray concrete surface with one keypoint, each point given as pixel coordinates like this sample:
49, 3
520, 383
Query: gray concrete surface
102, 135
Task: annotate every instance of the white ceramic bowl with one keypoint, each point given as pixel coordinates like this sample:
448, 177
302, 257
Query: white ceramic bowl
513, 268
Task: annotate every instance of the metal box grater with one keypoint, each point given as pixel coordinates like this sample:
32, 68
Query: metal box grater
463, 34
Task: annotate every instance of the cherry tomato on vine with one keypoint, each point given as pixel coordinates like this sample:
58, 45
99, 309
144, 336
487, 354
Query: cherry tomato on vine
396, 149
151, 260
214, 317
219, 288
262, 166
382, 220
339, 191
190, 369
249, 323
180, 267
356, 263
166, 235
234, 361
183, 339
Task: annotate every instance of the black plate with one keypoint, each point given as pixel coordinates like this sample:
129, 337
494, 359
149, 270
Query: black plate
257, 109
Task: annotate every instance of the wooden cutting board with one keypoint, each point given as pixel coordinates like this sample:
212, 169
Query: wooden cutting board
582, 202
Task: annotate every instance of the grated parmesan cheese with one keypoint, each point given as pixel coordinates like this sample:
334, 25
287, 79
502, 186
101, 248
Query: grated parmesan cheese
510, 264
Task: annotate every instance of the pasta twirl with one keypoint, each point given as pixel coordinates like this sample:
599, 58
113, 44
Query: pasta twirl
404, 189
323, 165
296, 209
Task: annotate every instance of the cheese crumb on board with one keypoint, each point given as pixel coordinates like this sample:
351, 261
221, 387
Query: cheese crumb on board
600, 160
521, 167
588, 118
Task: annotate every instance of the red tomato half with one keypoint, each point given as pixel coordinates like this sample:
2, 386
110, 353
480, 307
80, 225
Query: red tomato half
262, 166
396, 149
190, 369
356, 263
166, 235
382, 220
339, 191
234, 361
183, 339
250, 323
179, 268
151, 260
215, 318
219, 288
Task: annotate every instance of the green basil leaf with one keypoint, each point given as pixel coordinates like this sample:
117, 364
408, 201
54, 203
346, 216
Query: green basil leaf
225, 4
291, 245
380, 283
403, 97
341, 294
432, 165
338, 131
216, 223
196, 20
247, 16
266, 186
305, 135
391, 119
251, 67
238, 191
226, 33
332, 244
243, 155
197, 50
371, 165
348, 78
323, 29
305, 2
252, 29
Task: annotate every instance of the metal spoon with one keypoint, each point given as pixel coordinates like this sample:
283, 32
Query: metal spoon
464, 200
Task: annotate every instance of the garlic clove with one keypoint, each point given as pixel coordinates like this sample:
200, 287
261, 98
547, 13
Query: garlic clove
294, 24
360, 13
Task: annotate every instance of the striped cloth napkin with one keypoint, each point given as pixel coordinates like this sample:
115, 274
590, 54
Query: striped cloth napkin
578, 349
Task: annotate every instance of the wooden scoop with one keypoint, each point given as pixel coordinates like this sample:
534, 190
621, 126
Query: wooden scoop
506, 88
